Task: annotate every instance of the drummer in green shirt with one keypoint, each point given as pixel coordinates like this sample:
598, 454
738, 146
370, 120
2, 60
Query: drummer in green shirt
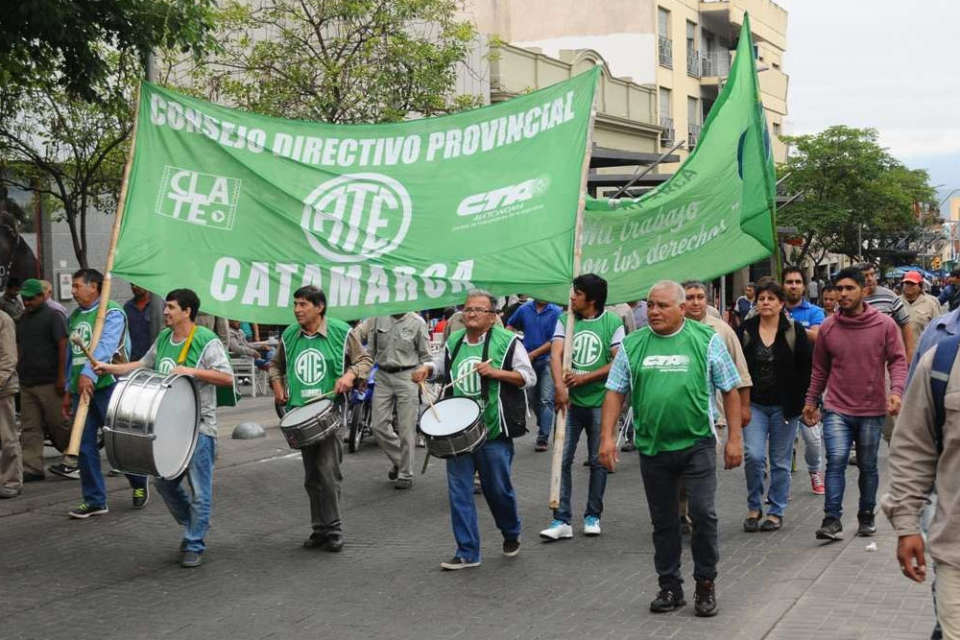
184, 348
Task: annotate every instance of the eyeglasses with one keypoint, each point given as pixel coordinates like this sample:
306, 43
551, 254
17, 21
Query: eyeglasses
476, 310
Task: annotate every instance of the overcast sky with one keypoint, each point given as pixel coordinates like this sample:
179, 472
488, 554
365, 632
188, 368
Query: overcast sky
887, 64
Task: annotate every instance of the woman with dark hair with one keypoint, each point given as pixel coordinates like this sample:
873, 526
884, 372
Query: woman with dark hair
779, 357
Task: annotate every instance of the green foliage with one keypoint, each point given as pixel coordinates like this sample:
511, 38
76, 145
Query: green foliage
71, 40
851, 188
69, 151
337, 60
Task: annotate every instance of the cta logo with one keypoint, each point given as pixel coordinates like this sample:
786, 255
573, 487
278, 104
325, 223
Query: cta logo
469, 385
680, 362
310, 367
587, 348
166, 365
356, 217
203, 199
85, 332
502, 197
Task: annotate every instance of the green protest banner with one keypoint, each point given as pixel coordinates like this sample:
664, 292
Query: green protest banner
386, 218
713, 216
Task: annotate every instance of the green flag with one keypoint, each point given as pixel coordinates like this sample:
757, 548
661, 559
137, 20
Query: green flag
713, 216
245, 209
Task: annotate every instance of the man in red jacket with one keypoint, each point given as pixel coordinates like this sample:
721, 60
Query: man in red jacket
854, 349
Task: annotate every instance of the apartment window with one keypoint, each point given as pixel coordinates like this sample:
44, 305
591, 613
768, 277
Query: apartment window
776, 129
693, 121
664, 43
666, 117
693, 54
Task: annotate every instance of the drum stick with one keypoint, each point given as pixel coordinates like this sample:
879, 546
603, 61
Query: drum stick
319, 397
426, 461
433, 409
469, 373
77, 340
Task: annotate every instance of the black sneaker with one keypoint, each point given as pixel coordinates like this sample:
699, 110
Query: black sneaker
393, 473
830, 529
334, 542
315, 541
455, 564
705, 599
668, 600
403, 483
86, 510
141, 496
33, 477
191, 559
868, 525
511, 548
65, 471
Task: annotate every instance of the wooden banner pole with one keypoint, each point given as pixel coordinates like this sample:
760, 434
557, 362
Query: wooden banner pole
83, 406
560, 424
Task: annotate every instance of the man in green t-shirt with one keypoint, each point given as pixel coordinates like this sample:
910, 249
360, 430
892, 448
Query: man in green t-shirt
315, 356
597, 333
669, 372
183, 348
83, 381
490, 365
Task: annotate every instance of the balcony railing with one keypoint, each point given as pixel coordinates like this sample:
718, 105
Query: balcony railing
665, 50
715, 63
693, 134
669, 135
693, 63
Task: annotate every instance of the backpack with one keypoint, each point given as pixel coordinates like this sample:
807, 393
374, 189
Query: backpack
943, 357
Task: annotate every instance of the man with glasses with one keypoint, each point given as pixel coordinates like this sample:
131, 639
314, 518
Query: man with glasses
490, 365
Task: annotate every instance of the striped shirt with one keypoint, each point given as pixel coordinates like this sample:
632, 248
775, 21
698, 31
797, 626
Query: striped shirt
889, 303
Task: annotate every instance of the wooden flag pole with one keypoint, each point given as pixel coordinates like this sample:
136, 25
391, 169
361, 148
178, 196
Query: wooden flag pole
560, 424
83, 406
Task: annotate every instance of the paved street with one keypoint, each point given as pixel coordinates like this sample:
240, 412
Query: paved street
117, 576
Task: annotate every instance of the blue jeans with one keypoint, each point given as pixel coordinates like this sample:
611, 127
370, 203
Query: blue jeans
192, 511
492, 461
812, 445
92, 485
840, 431
768, 428
582, 419
542, 399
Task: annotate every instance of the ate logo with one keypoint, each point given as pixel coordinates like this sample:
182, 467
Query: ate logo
586, 349
470, 384
85, 332
310, 367
166, 365
356, 217
203, 199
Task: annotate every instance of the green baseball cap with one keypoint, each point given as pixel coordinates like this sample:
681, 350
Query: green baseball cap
30, 288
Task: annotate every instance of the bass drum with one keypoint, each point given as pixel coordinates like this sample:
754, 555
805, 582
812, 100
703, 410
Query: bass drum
153, 422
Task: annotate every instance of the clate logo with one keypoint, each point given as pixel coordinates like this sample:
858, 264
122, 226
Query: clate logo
310, 367
166, 365
203, 199
355, 217
587, 348
502, 197
470, 384
85, 332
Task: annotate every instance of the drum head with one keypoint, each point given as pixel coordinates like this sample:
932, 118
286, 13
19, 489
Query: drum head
299, 415
175, 428
456, 414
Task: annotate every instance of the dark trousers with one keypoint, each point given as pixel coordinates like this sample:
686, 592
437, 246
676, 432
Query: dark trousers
322, 478
696, 467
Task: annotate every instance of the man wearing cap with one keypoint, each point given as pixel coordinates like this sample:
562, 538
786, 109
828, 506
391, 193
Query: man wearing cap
42, 350
922, 306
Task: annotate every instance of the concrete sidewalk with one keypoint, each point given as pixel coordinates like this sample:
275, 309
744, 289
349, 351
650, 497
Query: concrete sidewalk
116, 576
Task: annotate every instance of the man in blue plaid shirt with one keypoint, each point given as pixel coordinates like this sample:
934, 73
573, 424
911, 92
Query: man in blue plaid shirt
669, 372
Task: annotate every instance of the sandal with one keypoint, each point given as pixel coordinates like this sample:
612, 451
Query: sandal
770, 524
752, 523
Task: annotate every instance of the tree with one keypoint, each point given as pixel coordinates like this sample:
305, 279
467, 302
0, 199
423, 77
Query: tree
336, 60
67, 150
854, 197
71, 40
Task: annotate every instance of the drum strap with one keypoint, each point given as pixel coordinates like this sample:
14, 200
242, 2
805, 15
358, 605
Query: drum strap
186, 346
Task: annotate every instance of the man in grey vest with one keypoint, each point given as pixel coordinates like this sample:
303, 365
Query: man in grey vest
398, 346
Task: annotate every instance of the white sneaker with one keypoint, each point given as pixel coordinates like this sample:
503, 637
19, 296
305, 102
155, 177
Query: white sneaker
558, 530
591, 526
